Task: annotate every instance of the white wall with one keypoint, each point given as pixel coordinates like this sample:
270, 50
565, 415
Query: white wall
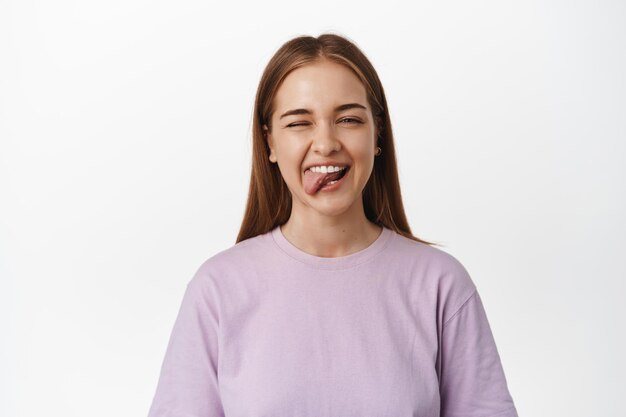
125, 131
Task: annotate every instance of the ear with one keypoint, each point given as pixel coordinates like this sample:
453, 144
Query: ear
268, 137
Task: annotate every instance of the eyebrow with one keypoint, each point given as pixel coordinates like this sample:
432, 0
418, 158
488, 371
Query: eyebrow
337, 109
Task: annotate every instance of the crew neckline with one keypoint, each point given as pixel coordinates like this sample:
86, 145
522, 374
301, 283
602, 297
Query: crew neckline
338, 262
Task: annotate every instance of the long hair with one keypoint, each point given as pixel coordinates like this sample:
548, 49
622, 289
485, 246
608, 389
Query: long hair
269, 199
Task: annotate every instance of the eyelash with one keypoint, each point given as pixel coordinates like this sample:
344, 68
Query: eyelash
354, 121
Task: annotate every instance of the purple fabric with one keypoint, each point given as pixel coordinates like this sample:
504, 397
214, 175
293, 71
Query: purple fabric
397, 329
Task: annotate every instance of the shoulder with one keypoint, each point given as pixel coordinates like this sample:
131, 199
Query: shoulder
440, 273
240, 259
438, 261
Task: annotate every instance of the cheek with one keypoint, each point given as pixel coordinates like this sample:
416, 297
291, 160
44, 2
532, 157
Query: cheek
290, 150
366, 163
364, 155
291, 162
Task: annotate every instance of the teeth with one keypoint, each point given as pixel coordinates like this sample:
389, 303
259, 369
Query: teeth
326, 169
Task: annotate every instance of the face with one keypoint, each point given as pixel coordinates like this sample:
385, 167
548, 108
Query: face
320, 131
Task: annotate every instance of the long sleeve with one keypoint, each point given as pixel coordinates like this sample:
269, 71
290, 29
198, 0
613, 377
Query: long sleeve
472, 381
188, 385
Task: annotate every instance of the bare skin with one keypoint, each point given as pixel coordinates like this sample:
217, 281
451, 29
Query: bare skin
332, 223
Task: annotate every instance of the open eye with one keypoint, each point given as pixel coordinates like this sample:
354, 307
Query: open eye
351, 120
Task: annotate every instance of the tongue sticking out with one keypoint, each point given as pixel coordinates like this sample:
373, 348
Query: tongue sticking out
313, 181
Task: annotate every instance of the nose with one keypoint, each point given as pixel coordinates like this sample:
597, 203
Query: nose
325, 140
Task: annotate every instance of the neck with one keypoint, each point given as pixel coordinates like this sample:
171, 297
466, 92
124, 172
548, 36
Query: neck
330, 237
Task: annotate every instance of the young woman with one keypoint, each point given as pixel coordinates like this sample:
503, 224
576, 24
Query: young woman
327, 305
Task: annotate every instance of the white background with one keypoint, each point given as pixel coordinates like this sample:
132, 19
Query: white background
125, 146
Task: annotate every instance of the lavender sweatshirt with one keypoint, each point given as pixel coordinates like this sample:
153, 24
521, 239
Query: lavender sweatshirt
397, 329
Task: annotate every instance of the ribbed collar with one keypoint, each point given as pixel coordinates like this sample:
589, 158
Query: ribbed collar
340, 262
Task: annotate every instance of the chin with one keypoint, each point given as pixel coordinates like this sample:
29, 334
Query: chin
333, 206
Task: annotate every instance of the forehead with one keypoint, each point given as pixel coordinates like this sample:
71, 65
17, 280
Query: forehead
319, 85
